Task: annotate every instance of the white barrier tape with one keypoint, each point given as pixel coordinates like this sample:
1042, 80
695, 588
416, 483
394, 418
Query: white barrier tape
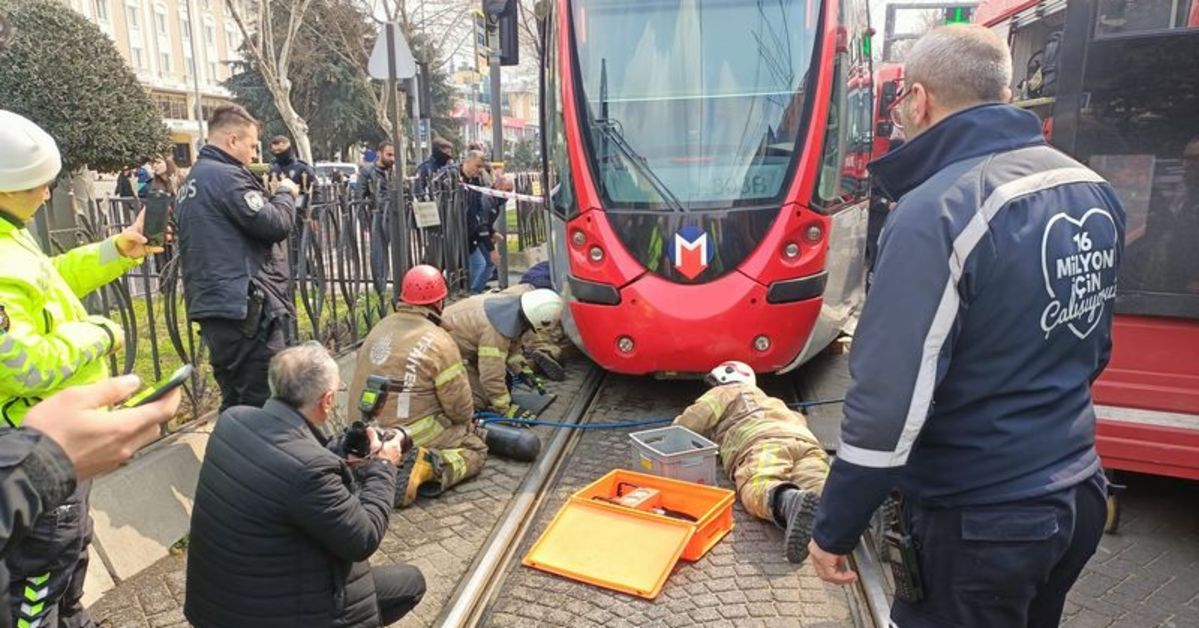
500, 194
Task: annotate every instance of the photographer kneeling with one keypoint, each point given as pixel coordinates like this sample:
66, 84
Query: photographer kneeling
281, 530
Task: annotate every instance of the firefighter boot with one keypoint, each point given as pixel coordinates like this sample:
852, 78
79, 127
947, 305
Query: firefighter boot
795, 512
417, 467
548, 366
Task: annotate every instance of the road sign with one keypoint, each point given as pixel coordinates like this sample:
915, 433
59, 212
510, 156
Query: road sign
405, 63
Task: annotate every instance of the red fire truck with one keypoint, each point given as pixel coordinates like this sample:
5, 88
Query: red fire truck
1118, 85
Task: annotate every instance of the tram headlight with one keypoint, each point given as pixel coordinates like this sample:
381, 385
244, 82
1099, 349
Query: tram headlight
624, 344
791, 251
596, 254
813, 233
578, 238
762, 343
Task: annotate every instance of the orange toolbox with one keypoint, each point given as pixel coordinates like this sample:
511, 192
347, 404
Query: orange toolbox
626, 531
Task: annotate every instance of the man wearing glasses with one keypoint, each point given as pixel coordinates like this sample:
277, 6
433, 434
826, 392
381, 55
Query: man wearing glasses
989, 316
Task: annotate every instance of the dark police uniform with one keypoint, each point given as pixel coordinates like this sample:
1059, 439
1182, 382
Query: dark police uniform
287, 165
233, 241
989, 317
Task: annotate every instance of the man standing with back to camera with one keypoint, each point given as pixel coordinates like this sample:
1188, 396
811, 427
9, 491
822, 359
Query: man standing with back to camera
989, 317
233, 241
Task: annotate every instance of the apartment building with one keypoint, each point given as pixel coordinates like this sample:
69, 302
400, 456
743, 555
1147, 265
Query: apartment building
176, 48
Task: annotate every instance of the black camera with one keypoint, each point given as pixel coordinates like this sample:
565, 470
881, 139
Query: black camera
358, 443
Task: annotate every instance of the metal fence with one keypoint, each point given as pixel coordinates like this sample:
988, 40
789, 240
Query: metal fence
341, 276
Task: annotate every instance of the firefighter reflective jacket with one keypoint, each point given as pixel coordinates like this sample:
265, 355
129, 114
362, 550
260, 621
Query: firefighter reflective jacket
487, 328
428, 389
737, 415
48, 341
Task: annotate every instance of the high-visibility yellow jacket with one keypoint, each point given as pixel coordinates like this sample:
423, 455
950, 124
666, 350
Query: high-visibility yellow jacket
48, 341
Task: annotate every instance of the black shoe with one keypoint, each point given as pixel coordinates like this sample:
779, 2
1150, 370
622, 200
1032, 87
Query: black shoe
799, 515
548, 366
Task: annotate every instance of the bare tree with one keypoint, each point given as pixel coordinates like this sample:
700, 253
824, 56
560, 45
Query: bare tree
271, 54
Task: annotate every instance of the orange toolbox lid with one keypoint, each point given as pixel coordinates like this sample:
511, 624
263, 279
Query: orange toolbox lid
624, 549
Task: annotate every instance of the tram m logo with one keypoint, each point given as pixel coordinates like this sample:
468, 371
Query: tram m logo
691, 253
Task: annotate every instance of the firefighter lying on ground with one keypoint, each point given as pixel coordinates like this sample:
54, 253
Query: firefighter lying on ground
541, 347
427, 391
776, 463
488, 329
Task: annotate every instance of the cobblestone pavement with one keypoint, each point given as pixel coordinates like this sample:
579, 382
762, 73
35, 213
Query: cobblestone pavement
440, 536
743, 581
1147, 574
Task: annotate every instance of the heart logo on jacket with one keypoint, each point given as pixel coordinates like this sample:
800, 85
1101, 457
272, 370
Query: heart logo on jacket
1078, 261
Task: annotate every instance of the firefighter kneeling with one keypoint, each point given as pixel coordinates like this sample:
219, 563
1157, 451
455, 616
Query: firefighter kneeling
488, 330
776, 463
425, 390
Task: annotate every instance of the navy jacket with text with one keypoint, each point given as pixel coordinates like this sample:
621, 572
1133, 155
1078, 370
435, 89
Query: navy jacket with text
988, 318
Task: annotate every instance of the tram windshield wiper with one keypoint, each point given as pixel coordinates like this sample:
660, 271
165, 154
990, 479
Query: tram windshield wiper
610, 129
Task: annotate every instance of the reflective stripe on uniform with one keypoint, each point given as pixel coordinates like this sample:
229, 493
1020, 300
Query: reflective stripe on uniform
769, 455
715, 406
449, 374
425, 430
456, 464
502, 402
486, 351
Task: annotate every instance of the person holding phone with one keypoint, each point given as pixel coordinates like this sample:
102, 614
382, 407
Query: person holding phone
69, 438
48, 343
232, 237
283, 527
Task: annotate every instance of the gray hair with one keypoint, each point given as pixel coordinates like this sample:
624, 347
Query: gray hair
960, 65
299, 375
472, 155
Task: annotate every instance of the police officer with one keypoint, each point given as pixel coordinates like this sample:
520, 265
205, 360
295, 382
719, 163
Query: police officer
989, 316
287, 166
427, 391
49, 342
233, 242
487, 329
776, 463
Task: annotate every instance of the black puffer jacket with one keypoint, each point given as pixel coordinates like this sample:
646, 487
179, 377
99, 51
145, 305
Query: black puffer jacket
279, 535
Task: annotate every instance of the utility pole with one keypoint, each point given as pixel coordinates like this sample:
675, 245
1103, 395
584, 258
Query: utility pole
399, 222
497, 151
191, 37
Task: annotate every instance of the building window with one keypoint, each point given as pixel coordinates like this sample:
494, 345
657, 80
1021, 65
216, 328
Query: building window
102, 10
212, 72
131, 17
210, 35
138, 58
231, 43
171, 106
164, 63
189, 66
160, 21
185, 28
206, 5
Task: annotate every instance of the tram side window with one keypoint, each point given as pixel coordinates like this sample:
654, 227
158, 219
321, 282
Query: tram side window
1139, 130
562, 194
1116, 17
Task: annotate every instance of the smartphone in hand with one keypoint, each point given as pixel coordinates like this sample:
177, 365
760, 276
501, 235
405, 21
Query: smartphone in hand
160, 389
158, 207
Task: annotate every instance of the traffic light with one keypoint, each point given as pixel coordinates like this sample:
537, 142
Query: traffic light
503, 15
958, 15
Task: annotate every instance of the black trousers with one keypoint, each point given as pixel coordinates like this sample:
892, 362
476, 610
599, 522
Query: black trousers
47, 568
239, 361
399, 588
1005, 565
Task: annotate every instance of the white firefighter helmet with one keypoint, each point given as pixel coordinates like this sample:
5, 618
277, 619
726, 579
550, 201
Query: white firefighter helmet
730, 372
542, 307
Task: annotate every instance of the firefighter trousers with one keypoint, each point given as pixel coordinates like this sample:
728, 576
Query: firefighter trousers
47, 567
462, 455
773, 462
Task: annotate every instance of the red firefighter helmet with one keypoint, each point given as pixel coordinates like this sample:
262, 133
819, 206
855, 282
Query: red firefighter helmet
423, 285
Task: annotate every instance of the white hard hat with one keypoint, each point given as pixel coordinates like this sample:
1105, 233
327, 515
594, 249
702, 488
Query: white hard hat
730, 372
28, 155
542, 307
